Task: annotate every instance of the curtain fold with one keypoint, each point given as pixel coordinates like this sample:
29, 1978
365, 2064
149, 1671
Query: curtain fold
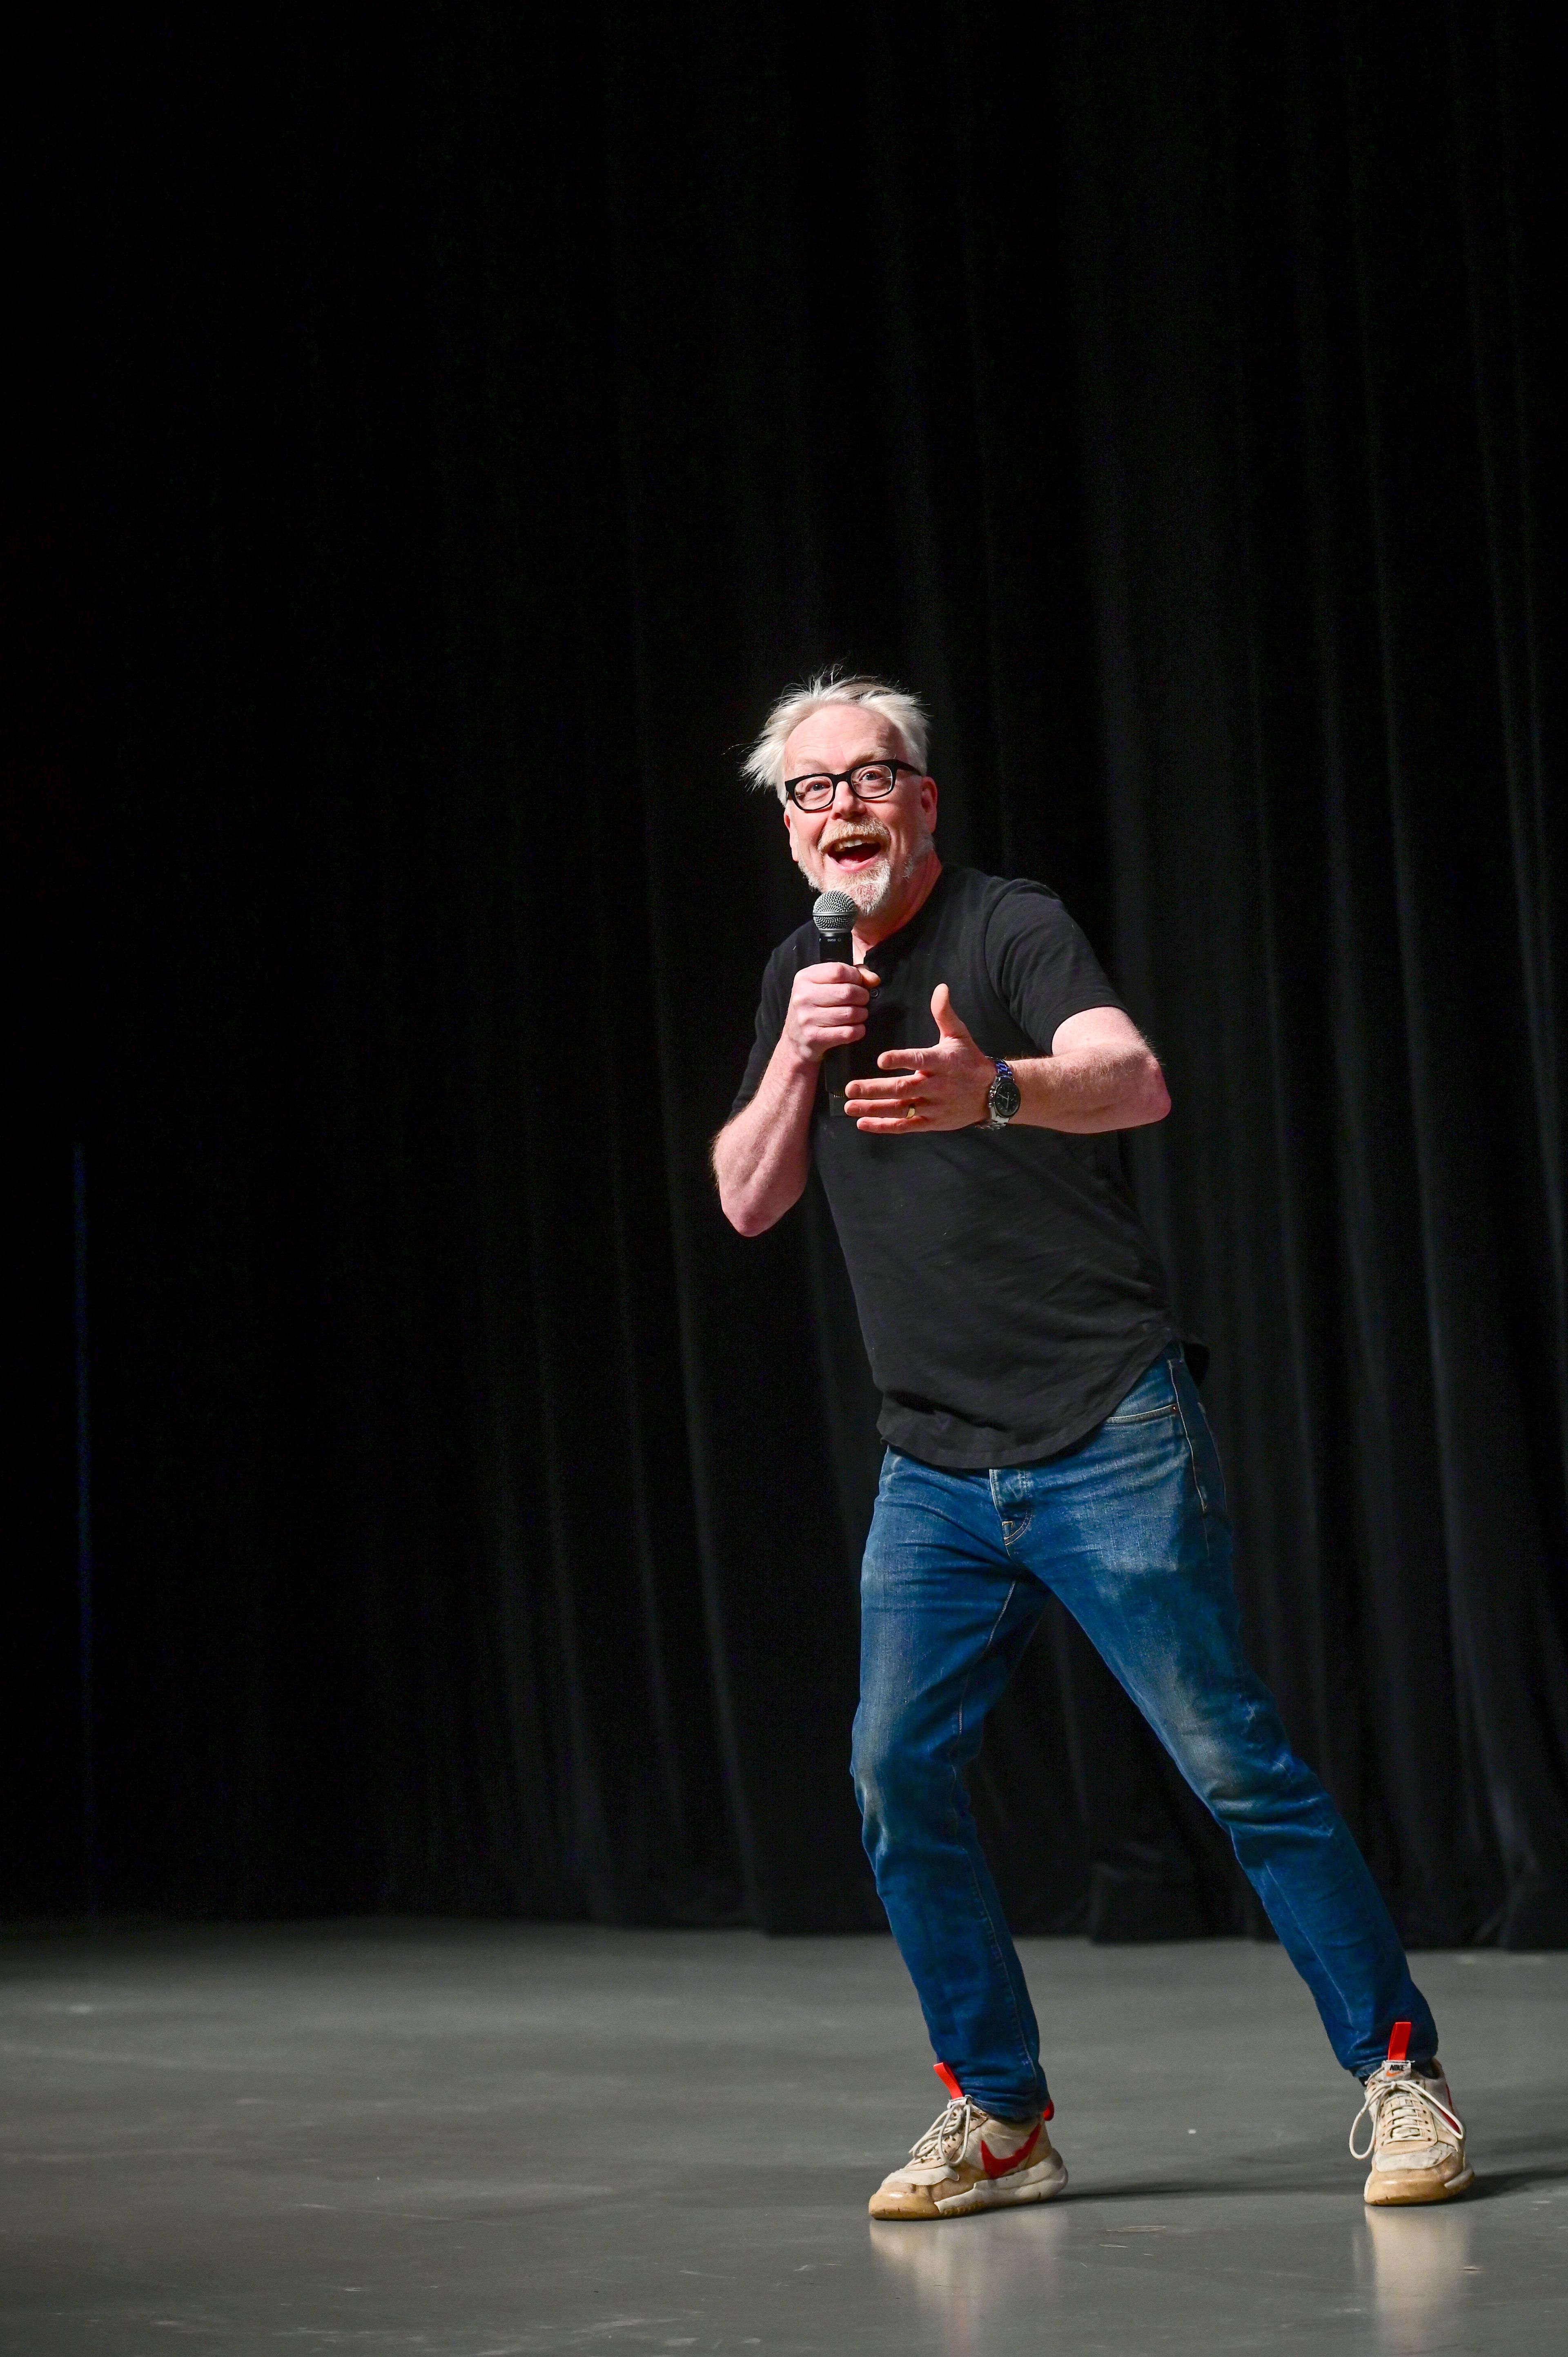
475, 420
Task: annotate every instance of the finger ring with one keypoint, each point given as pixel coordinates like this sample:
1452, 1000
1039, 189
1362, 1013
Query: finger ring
911, 1112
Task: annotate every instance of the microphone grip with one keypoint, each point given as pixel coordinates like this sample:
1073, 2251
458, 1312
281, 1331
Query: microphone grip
838, 949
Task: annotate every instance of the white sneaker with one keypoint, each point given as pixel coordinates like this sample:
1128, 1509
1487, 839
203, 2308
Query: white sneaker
966, 2160
1417, 2142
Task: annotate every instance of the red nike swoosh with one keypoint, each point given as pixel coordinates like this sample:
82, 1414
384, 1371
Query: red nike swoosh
994, 2167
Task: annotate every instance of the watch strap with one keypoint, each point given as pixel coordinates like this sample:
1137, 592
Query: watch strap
1005, 1087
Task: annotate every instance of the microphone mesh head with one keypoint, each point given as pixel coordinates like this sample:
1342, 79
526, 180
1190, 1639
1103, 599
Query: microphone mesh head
834, 915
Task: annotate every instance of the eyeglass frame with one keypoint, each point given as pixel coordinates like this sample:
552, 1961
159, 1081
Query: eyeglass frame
837, 778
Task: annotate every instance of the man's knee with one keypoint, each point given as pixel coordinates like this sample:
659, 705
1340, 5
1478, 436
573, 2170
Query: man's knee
892, 1766
1251, 1785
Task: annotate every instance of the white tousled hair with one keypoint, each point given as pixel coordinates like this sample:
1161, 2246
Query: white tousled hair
764, 765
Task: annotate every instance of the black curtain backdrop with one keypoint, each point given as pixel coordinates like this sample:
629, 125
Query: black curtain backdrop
447, 428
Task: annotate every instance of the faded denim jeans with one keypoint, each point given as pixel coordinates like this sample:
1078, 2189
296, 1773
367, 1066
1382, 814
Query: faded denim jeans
1129, 1529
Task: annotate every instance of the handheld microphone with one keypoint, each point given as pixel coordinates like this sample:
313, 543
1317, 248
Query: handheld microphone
834, 915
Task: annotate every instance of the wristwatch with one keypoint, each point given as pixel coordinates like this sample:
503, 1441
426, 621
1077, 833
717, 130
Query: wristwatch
1003, 1097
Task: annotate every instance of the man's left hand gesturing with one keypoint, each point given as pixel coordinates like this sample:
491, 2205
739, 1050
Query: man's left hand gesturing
942, 1087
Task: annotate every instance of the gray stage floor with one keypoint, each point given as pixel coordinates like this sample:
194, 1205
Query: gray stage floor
488, 2140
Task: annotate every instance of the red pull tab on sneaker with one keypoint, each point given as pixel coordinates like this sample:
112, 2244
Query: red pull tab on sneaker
1399, 2044
948, 2081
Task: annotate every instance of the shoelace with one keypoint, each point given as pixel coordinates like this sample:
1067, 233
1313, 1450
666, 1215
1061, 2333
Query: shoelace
1409, 2104
948, 2134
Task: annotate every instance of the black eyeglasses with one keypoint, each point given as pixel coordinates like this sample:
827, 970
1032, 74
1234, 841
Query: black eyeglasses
869, 782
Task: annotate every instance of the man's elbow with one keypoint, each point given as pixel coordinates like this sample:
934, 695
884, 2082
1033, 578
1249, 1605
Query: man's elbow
1144, 1098
1154, 1097
746, 1217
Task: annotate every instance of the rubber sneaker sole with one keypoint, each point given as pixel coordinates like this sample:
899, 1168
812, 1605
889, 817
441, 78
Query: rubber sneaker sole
1385, 2191
915, 2204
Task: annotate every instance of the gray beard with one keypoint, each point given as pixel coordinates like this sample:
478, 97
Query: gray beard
873, 888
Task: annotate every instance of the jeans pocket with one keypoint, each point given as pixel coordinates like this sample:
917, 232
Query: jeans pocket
1153, 1395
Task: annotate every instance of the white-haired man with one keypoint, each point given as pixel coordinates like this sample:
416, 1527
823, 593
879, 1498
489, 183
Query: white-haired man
1044, 1436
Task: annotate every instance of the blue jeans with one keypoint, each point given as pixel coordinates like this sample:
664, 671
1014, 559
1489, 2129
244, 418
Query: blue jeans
1129, 1529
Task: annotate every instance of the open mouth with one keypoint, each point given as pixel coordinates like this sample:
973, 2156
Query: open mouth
855, 850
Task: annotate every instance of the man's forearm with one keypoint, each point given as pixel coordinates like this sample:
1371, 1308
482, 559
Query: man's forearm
763, 1158
1087, 1089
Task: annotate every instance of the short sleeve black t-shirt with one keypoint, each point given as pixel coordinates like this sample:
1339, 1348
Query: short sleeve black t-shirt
1008, 1294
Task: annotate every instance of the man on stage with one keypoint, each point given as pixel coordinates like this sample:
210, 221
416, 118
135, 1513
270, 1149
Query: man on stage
1044, 1436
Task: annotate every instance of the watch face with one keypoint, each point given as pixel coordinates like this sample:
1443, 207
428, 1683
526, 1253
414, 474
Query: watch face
1005, 1097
